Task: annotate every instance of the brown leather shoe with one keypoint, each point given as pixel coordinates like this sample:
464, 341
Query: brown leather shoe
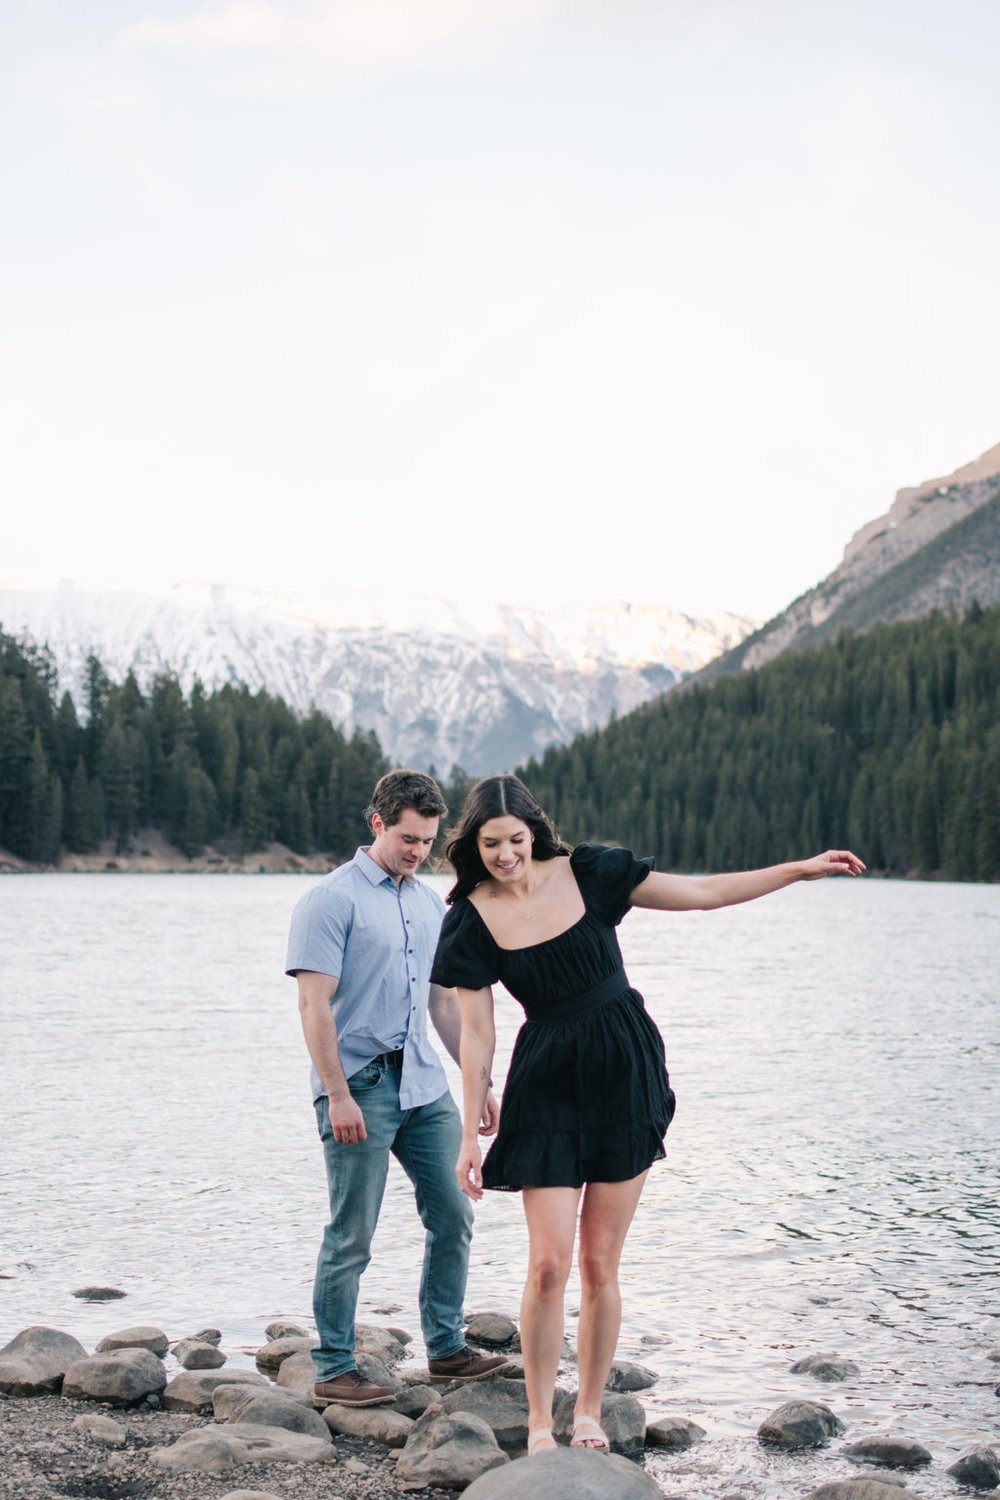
466, 1365
351, 1389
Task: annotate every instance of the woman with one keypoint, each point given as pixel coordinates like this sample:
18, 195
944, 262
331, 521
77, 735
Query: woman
587, 1100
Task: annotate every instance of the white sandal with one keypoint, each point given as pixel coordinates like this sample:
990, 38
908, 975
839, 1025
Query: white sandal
589, 1434
537, 1437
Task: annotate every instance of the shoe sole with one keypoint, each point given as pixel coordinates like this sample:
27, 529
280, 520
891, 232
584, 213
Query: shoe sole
320, 1403
467, 1379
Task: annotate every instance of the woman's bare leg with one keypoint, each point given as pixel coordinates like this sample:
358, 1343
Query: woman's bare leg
551, 1219
608, 1209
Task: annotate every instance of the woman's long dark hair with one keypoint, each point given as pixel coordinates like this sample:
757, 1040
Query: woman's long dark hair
495, 797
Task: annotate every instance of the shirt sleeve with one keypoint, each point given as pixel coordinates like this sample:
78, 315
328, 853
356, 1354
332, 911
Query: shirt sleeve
466, 954
321, 924
607, 877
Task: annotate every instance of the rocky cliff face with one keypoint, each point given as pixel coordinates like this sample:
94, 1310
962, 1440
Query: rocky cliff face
438, 684
938, 547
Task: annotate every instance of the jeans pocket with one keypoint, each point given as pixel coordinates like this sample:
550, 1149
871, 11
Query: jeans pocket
366, 1078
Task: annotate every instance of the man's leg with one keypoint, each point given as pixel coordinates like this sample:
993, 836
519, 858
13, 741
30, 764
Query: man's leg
356, 1176
427, 1147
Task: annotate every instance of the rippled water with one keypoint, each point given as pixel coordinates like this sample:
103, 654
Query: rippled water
832, 1180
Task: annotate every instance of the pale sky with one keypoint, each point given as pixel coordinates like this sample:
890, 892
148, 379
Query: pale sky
531, 300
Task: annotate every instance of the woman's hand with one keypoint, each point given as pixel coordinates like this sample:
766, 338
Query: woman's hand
469, 1170
833, 862
490, 1122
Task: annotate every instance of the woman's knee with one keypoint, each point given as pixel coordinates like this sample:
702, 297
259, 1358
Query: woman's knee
548, 1273
598, 1269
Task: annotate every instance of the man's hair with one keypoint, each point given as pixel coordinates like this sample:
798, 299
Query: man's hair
398, 790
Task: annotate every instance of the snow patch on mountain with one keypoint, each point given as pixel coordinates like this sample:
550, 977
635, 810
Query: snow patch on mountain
440, 683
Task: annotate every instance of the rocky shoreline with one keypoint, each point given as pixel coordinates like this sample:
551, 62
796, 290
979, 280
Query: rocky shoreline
142, 1418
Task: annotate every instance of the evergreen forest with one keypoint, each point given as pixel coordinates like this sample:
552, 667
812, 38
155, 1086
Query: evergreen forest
887, 743
231, 768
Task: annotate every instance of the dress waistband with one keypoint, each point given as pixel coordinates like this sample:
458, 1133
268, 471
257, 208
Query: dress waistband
567, 1010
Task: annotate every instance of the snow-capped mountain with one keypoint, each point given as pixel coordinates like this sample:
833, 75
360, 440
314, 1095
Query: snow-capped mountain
481, 687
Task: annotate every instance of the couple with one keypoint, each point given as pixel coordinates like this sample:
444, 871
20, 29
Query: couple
587, 1100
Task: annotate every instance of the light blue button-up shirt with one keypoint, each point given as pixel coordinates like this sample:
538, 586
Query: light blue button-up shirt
377, 939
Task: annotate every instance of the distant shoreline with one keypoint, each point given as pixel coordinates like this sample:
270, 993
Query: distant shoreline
151, 854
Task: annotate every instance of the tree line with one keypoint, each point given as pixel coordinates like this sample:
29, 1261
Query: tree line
231, 768
887, 743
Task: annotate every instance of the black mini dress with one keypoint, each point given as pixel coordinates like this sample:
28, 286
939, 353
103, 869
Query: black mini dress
587, 1097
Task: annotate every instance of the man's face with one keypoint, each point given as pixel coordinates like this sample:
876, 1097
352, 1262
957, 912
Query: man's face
402, 847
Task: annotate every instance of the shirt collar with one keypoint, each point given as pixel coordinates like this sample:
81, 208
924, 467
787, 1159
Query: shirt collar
373, 871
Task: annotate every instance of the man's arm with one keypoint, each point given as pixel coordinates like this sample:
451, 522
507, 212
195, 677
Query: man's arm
318, 1027
446, 1014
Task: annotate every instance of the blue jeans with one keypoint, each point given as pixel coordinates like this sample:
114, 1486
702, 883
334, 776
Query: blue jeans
425, 1141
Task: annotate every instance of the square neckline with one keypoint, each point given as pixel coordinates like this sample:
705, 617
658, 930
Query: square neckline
530, 947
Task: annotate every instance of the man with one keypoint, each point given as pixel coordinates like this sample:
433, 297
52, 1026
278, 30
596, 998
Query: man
361, 945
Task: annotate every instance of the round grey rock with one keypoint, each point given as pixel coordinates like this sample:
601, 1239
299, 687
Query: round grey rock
413, 1400
280, 1329
121, 1378
566, 1474
371, 1342
101, 1429
99, 1293
628, 1377
144, 1336
297, 1373
675, 1433
979, 1467
194, 1390
196, 1354
800, 1424
268, 1408
886, 1448
825, 1367
447, 1450
208, 1336
379, 1424
622, 1418
35, 1361
214, 1450
271, 1356
495, 1330
856, 1489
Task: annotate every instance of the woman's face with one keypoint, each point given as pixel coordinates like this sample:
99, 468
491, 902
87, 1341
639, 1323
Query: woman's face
505, 848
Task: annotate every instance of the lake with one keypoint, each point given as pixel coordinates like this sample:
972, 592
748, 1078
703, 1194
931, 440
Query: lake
832, 1181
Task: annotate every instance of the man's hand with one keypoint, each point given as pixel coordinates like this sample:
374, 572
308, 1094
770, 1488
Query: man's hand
469, 1170
490, 1121
347, 1121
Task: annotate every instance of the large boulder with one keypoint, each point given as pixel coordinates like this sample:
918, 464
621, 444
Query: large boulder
800, 1424
379, 1424
144, 1336
448, 1450
979, 1467
413, 1400
297, 1373
889, 1449
282, 1329
35, 1361
675, 1433
194, 1390
566, 1474
268, 1408
215, 1450
825, 1367
121, 1378
622, 1418
501, 1403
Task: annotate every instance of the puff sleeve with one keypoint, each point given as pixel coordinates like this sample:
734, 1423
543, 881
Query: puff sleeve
607, 877
466, 954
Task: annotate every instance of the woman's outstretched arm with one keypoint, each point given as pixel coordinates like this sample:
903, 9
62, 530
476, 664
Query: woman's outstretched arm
709, 892
478, 1042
